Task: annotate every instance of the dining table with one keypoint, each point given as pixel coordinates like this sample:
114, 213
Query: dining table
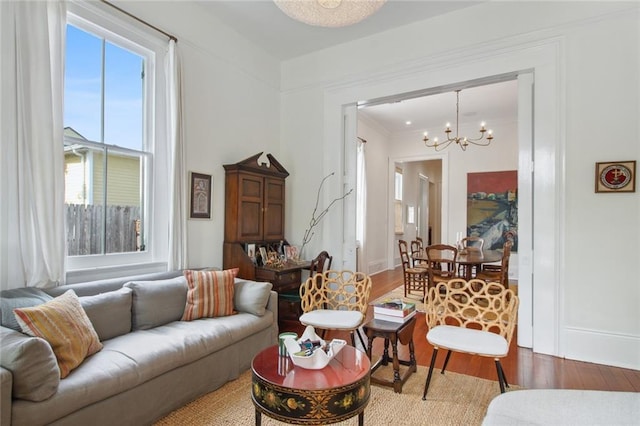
469, 258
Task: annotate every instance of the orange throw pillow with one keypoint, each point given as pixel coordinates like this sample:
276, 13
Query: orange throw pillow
209, 294
65, 325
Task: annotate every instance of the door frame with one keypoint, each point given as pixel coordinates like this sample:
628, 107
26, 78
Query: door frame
539, 57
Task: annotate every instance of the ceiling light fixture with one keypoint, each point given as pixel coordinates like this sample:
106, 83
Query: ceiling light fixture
463, 142
329, 13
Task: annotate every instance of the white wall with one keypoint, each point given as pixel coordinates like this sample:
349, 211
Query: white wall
502, 154
231, 106
586, 293
235, 107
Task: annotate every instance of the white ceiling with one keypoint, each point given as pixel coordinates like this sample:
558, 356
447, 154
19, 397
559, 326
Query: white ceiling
494, 104
265, 25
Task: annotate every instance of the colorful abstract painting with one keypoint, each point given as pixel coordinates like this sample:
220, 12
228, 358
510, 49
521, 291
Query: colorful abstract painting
492, 207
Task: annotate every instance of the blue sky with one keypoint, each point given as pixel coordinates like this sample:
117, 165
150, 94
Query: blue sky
123, 90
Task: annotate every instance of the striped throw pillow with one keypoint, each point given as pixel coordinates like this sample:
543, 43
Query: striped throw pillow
64, 324
209, 294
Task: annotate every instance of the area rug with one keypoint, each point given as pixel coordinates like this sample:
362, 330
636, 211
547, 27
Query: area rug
398, 293
453, 399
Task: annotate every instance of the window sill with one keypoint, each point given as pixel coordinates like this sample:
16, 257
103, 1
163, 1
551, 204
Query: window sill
106, 272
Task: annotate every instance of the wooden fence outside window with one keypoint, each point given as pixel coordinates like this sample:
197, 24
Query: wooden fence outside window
84, 229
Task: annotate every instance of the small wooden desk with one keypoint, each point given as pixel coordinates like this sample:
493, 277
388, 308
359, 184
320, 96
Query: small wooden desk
392, 332
288, 277
285, 279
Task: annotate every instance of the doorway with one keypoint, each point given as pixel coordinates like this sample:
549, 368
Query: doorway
448, 188
541, 299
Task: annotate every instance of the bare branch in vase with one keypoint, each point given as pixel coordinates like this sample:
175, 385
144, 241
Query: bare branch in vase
313, 222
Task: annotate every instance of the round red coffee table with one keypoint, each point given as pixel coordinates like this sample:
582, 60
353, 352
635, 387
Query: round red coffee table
296, 395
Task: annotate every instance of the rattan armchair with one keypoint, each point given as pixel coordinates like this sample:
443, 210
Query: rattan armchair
473, 317
336, 300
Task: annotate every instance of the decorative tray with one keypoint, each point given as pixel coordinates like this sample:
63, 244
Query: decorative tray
310, 351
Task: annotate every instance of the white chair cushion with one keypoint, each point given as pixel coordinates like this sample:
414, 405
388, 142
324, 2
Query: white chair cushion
468, 340
332, 319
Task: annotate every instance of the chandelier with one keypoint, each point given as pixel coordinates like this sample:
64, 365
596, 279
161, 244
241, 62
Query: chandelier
329, 13
462, 142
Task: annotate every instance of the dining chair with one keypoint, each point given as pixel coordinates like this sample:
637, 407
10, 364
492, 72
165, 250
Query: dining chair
498, 273
417, 249
291, 299
336, 300
473, 317
442, 260
415, 278
470, 244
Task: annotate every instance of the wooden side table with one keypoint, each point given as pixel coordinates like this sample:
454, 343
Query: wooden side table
392, 332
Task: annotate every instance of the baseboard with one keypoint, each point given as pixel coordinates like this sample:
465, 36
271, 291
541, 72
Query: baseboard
616, 350
376, 266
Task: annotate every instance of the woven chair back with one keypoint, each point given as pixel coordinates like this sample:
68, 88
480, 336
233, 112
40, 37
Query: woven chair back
473, 304
339, 290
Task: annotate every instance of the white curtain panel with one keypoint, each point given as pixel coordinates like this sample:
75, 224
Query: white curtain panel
178, 212
32, 75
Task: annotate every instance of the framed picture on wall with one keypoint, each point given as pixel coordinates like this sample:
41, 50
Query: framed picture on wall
492, 207
616, 176
200, 206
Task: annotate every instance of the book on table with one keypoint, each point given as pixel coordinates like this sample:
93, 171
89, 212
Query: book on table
394, 307
394, 318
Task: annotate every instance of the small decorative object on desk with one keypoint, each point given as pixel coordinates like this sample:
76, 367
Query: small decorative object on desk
310, 351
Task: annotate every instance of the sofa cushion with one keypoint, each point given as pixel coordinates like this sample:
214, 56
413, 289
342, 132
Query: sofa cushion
156, 303
63, 323
210, 294
110, 312
19, 298
251, 296
32, 363
91, 288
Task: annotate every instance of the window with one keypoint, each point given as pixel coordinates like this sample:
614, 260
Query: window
104, 110
111, 142
399, 228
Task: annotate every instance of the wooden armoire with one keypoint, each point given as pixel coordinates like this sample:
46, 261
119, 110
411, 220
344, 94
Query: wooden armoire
254, 210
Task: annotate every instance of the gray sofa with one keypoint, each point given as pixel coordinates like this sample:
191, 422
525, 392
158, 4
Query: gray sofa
563, 407
151, 362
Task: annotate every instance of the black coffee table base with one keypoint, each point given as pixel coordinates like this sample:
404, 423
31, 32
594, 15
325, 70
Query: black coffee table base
305, 407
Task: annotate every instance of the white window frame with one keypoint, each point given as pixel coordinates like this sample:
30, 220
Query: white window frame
106, 22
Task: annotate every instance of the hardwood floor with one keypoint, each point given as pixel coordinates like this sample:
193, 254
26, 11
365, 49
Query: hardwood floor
522, 366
